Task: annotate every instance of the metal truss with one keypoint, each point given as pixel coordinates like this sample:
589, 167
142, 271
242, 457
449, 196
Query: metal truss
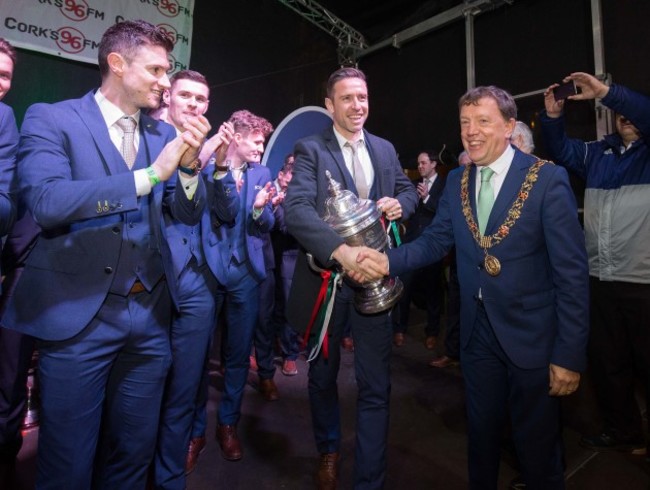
350, 41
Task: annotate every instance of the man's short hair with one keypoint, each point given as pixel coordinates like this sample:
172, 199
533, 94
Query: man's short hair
127, 37
245, 122
9, 50
195, 76
433, 156
340, 74
504, 100
288, 164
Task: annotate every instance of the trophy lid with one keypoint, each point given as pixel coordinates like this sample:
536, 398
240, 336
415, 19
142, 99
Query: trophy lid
344, 211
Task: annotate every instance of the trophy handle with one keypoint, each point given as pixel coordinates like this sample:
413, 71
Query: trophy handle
312, 264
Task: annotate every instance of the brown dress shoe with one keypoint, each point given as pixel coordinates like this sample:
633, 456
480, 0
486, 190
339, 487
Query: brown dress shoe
443, 362
229, 442
328, 468
398, 339
197, 445
347, 343
430, 342
268, 390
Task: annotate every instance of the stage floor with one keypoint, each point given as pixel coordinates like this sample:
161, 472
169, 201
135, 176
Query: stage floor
427, 440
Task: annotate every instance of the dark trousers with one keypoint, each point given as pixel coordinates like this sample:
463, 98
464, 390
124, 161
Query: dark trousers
264, 339
240, 295
427, 283
290, 340
493, 384
15, 358
619, 353
190, 334
16, 352
372, 341
109, 377
452, 333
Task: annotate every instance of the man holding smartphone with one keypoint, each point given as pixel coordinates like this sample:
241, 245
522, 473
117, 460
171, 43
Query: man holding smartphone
617, 229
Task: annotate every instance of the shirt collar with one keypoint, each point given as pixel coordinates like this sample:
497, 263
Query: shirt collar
502, 164
110, 112
341, 139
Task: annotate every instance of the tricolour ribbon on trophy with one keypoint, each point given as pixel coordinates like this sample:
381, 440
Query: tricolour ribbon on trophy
322, 313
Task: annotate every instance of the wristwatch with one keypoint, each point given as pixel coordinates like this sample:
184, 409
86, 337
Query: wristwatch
192, 169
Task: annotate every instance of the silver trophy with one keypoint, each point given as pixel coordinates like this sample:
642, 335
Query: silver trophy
358, 222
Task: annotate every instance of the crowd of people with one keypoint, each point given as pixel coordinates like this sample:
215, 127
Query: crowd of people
134, 240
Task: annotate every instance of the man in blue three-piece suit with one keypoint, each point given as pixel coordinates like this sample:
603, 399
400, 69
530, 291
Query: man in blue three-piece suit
522, 268
14, 347
8, 140
96, 287
369, 167
239, 268
193, 322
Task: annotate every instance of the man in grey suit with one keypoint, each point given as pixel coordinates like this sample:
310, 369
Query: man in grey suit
380, 178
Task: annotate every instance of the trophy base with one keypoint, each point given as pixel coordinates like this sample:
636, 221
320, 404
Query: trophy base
378, 296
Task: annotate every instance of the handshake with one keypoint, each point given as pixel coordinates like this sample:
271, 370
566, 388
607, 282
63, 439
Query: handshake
361, 264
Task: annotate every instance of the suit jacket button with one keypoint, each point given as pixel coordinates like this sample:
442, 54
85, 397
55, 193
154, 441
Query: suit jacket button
184, 241
108, 270
116, 229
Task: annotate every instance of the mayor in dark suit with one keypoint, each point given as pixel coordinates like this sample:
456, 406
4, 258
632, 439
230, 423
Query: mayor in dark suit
522, 269
95, 291
380, 177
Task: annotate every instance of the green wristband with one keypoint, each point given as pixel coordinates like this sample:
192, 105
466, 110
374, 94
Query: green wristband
153, 177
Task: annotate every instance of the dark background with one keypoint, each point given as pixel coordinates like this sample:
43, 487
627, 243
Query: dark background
262, 56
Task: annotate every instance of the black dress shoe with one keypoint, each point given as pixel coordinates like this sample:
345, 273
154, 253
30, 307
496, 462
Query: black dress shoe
606, 442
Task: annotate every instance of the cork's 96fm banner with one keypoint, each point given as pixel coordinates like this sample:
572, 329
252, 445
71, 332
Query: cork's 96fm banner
73, 28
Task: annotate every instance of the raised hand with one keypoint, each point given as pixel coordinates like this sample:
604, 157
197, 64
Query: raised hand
264, 195
553, 107
218, 144
196, 129
590, 87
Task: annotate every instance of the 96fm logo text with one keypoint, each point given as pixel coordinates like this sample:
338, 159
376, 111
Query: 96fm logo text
75, 9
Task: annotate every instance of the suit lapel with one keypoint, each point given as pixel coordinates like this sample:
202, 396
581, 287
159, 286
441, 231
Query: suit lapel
92, 118
507, 194
378, 182
150, 139
249, 186
337, 155
435, 187
471, 185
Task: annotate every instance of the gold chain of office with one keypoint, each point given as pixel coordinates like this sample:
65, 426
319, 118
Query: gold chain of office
492, 264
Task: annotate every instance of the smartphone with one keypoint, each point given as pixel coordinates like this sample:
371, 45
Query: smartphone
562, 91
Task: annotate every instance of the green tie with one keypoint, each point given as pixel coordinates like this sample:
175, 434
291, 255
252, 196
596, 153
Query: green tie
485, 198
